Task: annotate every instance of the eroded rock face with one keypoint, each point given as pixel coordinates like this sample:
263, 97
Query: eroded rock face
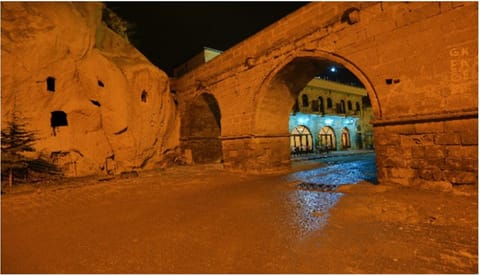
97, 104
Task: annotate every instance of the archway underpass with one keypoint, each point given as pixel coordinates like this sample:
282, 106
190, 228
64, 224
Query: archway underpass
201, 130
326, 111
335, 113
324, 108
330, 122
425, 123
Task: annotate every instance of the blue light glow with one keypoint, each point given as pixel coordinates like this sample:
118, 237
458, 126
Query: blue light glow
333, 69
303, 120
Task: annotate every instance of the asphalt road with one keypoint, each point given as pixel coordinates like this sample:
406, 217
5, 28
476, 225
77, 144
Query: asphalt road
205, 220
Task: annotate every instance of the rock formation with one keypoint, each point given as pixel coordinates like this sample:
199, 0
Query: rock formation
96, 103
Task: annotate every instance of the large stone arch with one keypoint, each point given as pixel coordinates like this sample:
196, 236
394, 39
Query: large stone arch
280, 88
418, 61
275, 97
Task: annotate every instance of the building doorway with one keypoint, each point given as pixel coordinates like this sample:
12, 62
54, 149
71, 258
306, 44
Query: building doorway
326, 139
345, 138
301, 140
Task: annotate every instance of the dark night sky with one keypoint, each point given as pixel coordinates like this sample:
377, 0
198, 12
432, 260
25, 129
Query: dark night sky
169, 33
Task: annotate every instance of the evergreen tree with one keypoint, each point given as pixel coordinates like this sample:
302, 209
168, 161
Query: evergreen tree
16, 140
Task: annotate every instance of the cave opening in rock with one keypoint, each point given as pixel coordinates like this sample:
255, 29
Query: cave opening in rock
51, 84
58, 118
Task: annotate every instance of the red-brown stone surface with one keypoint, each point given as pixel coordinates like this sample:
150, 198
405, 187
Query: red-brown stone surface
99, 82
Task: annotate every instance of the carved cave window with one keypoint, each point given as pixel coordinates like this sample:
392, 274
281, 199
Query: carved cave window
144, 96
349, 103
57, 119
100, 83
357, 106
51, 84
94, 102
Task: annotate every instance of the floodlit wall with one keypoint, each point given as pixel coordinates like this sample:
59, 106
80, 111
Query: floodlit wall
96, 104
417, 61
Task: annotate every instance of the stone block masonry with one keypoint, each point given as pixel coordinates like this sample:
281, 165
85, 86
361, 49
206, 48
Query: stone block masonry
433, 152
417, 61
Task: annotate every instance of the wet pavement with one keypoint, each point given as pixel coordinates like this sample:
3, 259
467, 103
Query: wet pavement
316, 194
342, 169
205, 220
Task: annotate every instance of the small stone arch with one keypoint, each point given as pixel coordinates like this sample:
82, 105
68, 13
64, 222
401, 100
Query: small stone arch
201, 129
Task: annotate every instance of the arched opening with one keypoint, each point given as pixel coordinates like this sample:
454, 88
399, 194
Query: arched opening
304, 100
326, 139
201, 130
320, 103
341, 107
311, 75
301, 140
329, 103
345, 138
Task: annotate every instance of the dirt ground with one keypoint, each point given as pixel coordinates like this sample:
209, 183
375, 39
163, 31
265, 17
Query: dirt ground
205, 220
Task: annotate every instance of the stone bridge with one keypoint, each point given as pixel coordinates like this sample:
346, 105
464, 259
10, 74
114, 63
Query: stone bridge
418, 61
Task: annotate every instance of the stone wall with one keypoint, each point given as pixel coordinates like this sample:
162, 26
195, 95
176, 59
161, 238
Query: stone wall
424, 153
59, 57
417, 61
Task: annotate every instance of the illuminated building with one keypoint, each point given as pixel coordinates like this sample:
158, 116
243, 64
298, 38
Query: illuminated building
330, 116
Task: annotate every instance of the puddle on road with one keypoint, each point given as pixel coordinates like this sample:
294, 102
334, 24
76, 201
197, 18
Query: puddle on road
315, 194
338, 174
312, 209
